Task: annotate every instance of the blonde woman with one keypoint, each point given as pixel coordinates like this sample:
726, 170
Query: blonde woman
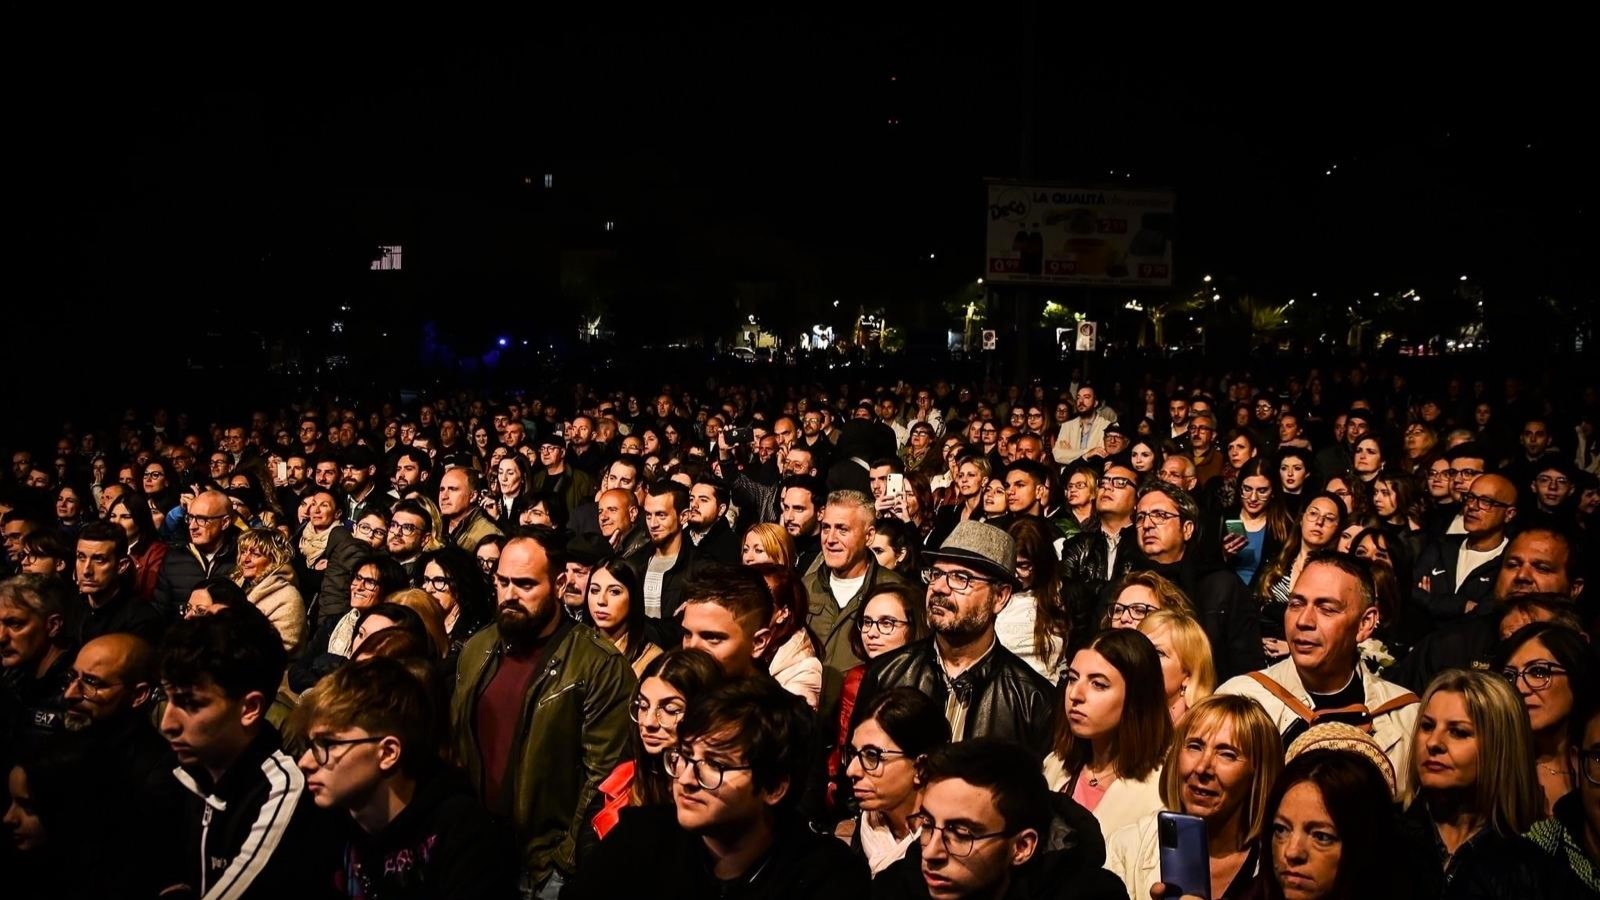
1224, 758
767, 542
428, 610
1187, 673
266, 572
1472, 790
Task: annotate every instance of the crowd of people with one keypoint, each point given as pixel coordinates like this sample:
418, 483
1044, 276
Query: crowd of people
911, 640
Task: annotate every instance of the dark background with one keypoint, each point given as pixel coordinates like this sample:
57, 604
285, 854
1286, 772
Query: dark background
204, 198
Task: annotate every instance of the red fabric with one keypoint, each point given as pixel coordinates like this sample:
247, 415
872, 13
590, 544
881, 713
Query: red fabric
147, 569
847, 707
499, 714
618, 791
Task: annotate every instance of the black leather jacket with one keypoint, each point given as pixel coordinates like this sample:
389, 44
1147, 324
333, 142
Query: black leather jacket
1008, 699
1083, 558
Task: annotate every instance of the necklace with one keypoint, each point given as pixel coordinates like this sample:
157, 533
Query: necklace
1553, 770
1094, 778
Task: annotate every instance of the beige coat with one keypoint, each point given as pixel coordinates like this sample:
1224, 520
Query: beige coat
1126, 801
797, 669
277, 597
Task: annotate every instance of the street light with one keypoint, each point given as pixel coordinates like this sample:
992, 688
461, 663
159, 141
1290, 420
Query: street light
1206, 279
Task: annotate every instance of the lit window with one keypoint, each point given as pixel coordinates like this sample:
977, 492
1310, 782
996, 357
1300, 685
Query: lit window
549, 180
388, 259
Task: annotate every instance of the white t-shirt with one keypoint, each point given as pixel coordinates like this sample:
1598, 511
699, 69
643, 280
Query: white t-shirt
1467, 560
845, 588
655, 575
1014, 629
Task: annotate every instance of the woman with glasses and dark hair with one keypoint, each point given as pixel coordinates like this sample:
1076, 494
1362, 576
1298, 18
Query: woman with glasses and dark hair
1319, 527
667, 685
1571, 836
1262, 517
1549, 667
894, 616
452, 578
898, 728
159, 483
375, 578
615, 606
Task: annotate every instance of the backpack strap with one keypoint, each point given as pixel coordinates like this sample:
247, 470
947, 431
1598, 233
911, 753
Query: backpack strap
1282, 693
1399, 701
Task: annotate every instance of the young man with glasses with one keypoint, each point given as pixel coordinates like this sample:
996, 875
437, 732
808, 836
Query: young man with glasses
1456, 573
210, 551
986, 691
249, 829
739, 769
988, 826
414, 827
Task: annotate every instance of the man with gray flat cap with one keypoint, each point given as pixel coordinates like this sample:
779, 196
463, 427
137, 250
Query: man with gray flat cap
985, 689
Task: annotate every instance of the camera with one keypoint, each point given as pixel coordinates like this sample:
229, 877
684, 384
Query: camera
737, 436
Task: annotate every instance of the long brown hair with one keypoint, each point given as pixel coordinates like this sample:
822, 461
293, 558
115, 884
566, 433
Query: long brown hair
1035, 541
1145, 727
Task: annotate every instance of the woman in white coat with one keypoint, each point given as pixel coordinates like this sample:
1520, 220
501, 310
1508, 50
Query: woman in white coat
1113, 731
266, 573
1224, 759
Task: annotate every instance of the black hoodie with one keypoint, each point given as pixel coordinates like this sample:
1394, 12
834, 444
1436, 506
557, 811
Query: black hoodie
442, 846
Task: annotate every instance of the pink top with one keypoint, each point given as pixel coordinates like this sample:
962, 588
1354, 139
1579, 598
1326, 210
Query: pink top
1087, 796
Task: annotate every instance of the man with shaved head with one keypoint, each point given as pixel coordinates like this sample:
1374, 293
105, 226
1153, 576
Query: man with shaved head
209, 552
1456, 573
618, 515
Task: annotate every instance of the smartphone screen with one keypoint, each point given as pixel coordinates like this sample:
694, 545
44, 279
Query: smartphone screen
896, 485
1235, 526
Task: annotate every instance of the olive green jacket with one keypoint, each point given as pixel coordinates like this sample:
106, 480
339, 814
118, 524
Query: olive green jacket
574, 731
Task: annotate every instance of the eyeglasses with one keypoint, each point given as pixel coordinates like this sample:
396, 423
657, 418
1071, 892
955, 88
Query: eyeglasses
439, 583
367, 531
707, 774
1160, 516
1471, 499
958, 839
1326, 519
1552, 481
1132, 611
1249, 491
871, 757
884, 626
192, 518
1441, 474
404, 529
1536, 674
363, 581
641, 712
150, 475
1589, 762
959, 582
1464, 473
322, 748
1118, 482
488, 563
89, 684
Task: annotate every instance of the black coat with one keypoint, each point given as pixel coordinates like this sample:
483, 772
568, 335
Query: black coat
182, 570
1067, 865
1009, 700
673, 581
123, 614
648, 855
1489, 866
1225, 608
720, 545
1444, 603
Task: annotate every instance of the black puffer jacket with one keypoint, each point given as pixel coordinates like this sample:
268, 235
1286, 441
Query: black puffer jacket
1008, 699
1489, 866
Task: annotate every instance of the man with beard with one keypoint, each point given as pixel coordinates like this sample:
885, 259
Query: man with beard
540, 714
584, 552
358, 477
705, 522
663, 564
986, 691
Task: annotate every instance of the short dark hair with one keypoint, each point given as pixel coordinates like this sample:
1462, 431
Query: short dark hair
719, 488
415, 509
772, 728
679, 494
105, 532
808, 483
236, 647
1036, 472
1007, 770
1575, 567
1354, 566
1188, 510
420, 457
893, 463
1471, 450
738, 590
910, 718
634, 462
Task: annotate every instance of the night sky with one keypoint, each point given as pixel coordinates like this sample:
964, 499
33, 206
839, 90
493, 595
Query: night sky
245, 178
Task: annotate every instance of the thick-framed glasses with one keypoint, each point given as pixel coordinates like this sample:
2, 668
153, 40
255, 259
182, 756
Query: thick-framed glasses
871, 757
1464, 473
1471, 499
404, 529
367, 531
1159, 516
958, 840
1118, 482
1134, 612
191, 518
1589, 764
1536, 675
440, 583
885, 626
707, 774
642, 713
488, 564
152, 475
362, 581
322, 748
91, 686
1441, 475
959, 582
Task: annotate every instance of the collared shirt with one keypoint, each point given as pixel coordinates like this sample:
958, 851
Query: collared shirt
957, 701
